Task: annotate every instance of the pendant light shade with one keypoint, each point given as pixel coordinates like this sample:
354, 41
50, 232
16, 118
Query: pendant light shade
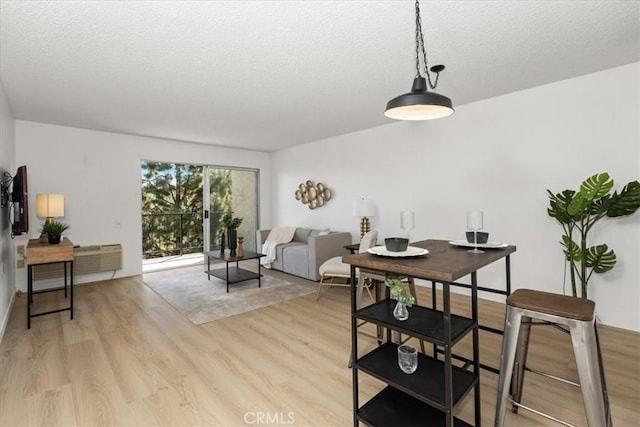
419, 104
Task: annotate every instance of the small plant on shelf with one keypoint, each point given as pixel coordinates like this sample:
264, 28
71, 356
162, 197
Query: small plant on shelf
398, 291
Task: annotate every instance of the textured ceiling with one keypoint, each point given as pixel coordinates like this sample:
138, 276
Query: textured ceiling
266, 75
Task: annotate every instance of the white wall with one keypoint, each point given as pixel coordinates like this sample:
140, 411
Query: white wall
7, 255
99, 175
498, 155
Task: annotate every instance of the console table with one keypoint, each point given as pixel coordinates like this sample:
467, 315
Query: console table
233, 274
39, 253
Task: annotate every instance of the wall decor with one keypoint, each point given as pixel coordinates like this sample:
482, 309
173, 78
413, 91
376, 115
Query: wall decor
314, 196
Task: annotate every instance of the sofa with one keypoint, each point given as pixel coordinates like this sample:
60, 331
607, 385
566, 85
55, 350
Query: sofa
306, 252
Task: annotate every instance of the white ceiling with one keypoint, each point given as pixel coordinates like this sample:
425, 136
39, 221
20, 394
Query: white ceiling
266, 75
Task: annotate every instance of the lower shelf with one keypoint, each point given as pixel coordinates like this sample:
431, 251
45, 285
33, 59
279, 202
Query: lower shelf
394, 408
427, 383
235, 274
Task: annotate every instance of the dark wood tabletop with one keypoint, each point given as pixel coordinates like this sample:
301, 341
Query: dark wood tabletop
444, 262
226, 256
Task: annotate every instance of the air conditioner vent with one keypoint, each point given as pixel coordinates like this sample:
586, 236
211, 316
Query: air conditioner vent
87, 260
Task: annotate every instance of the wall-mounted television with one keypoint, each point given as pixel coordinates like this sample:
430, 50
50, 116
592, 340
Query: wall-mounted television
20, 199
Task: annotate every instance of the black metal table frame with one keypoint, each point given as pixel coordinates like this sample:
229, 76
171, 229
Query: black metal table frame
226, 278
30, 290
447, 352
472, 286
474, 283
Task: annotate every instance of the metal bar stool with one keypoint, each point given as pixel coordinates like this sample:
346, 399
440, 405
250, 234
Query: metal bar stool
576, 315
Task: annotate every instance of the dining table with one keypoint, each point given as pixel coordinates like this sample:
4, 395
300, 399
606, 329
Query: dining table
443, 263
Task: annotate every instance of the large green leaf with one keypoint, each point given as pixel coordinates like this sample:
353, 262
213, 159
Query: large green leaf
571, 249
627, 202
579, 205
596, 186
558, 206
600, 258
600, 206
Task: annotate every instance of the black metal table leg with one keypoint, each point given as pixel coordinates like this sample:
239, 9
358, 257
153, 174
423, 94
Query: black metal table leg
71, 287
29, 294
64, 265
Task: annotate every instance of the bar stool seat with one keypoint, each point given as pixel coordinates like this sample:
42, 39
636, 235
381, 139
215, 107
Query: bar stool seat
577, 316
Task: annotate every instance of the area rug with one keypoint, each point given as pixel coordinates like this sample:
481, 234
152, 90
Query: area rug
201, 300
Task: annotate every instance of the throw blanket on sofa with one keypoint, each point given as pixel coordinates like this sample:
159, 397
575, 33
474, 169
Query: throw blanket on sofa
276, 237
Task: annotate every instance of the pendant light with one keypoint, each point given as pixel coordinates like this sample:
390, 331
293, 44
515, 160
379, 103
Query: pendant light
420, 104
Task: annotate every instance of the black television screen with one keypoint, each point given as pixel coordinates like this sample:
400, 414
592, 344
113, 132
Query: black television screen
20, 199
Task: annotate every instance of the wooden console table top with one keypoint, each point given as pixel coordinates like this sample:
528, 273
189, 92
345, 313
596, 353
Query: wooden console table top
44, 253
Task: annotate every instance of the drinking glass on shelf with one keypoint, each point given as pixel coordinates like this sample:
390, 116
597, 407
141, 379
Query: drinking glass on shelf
474, 223
407, 221
407, 358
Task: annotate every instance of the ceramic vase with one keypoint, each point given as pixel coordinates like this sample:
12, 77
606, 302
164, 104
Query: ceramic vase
240, 247
233, 241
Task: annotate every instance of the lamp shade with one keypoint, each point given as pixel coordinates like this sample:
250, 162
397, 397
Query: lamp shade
49, 205
363, 208
419, 104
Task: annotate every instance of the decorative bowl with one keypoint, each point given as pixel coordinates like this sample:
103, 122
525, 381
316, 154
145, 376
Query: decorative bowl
396, 244
482, 237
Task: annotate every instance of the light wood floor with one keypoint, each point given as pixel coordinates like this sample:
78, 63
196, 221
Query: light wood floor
128, 358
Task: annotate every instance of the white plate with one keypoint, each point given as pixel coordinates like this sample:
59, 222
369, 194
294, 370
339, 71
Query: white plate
411, 251
488, 245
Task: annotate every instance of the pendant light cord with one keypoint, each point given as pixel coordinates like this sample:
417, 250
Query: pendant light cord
421, 50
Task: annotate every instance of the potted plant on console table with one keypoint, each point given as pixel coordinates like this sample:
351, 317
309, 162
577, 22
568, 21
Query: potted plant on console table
54, 231
232, 225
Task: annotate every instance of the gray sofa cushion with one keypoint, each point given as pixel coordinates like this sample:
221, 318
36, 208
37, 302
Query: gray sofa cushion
296, 260
302, 235
277, 263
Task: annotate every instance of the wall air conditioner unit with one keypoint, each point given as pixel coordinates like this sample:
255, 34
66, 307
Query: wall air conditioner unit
86, 260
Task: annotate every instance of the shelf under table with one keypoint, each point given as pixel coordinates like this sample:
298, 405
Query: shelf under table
426, 383
236, 274
423, 323
394, 408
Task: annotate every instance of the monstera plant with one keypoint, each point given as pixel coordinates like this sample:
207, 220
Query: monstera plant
578, 212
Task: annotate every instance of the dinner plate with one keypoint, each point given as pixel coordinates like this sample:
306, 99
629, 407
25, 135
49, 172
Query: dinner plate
488, 245
411, 251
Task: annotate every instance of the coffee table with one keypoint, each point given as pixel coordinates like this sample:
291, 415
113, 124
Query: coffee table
233, 274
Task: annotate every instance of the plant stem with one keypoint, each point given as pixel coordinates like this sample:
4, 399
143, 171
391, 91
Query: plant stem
583, 258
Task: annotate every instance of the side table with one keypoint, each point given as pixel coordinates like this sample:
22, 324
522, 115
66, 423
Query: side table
233, 274
43, 253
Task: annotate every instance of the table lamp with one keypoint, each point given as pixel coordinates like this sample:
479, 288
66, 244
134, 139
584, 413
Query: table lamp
365, 209
49, 206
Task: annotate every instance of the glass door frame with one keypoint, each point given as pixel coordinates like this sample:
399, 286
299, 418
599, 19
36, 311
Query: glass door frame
206, 201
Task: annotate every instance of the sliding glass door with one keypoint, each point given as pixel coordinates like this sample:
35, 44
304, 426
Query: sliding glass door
183, 206
232, 191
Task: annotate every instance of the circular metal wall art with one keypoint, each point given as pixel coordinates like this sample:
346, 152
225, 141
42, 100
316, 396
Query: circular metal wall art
312, 195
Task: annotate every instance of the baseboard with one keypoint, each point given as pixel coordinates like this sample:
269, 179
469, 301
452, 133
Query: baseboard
5, 320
